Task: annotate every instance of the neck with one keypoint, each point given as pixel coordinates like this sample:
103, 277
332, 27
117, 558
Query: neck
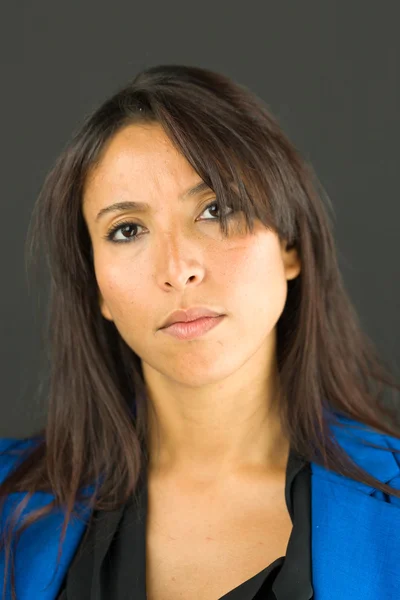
209, 437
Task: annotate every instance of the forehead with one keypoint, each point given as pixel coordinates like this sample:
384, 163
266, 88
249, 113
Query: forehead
139, 166
140, 153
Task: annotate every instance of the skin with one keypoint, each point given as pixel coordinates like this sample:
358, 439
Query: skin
214, 397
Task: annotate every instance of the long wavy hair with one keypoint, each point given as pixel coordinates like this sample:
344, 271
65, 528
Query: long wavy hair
96, 431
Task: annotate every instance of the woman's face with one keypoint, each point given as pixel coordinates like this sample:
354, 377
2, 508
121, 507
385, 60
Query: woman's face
174, 256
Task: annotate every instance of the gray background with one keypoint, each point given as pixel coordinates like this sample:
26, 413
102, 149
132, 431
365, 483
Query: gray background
328, 70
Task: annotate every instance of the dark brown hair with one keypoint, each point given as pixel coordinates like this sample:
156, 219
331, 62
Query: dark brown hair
97, 425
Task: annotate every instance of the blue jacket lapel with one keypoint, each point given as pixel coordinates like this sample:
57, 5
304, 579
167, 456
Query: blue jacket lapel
355, 531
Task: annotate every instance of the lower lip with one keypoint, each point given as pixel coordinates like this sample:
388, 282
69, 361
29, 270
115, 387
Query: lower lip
193, 329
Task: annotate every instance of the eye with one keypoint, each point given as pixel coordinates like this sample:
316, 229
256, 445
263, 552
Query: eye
209, 207
124, 225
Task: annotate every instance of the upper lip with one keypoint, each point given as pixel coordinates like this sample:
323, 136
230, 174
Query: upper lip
190, 314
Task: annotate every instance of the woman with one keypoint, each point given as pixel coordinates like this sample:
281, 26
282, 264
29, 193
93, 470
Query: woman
248, 454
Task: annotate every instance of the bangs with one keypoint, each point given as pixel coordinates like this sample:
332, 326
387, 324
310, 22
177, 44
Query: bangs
241, 166
233, 148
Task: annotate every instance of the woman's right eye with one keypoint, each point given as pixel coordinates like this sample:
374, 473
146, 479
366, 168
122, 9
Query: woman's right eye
110, 235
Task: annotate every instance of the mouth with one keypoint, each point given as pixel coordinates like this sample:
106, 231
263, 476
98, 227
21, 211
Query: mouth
193, 329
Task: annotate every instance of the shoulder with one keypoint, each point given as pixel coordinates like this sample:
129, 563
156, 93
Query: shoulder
7, 444
375, 452
12, 449
354, 435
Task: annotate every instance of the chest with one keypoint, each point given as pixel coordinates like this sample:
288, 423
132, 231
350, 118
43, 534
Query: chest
201, 548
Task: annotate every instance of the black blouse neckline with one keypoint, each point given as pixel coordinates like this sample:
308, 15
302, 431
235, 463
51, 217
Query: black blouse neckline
112, 563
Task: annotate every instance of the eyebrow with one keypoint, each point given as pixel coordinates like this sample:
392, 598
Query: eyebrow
144, 207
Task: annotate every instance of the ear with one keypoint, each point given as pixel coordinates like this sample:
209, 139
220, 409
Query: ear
291, 260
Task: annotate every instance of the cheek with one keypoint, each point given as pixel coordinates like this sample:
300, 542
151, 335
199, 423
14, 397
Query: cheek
122, 290
254, 264
255, 276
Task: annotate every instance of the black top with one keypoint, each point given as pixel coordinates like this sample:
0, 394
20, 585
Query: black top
110, 564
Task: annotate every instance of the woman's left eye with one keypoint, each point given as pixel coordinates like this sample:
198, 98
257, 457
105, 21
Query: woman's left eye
210, 206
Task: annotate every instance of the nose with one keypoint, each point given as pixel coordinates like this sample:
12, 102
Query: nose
179, 263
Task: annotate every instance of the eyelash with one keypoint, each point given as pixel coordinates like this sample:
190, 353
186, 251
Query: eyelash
113, 230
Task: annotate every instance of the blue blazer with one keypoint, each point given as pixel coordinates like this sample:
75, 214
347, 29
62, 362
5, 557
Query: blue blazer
355, 528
